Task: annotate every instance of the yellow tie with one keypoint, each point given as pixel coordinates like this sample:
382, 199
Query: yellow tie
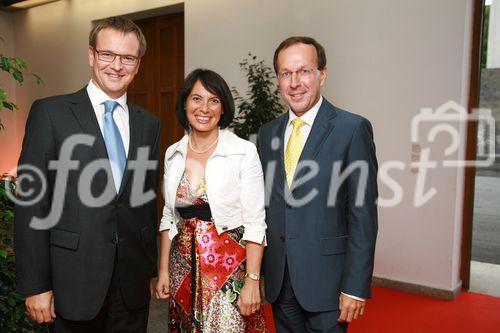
293, 150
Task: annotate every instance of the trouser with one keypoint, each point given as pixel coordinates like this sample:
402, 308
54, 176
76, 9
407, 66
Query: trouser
114, 316
290, 317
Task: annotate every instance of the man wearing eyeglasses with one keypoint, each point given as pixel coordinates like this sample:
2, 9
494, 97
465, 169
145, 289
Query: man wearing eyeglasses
319, 160
92, 271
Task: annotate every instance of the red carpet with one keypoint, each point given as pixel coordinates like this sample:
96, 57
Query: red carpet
394, 311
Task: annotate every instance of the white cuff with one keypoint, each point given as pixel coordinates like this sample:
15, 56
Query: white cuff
354, 297
256, 237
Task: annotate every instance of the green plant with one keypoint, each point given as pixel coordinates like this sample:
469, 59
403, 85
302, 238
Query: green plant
484, 45
13, 316
18, 69
262, 103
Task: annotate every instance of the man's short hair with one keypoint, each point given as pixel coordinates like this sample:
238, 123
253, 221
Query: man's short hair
120, 24
216, 85
320, 51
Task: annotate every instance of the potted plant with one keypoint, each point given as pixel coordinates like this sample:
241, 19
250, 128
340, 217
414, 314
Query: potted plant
262, 103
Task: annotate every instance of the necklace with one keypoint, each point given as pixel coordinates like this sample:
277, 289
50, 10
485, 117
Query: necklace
204, 150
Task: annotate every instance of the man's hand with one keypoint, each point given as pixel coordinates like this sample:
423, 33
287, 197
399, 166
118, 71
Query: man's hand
350, 308
41, 307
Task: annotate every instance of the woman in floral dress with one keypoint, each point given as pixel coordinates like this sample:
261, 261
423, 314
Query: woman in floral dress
213, 228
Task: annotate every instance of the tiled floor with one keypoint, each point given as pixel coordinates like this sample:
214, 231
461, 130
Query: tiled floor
485, 278
485, 267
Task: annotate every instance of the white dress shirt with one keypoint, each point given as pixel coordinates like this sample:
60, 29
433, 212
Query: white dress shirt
308, 118
120, 115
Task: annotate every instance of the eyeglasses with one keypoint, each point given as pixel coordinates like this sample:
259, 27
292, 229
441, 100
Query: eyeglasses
302, 73
108, 56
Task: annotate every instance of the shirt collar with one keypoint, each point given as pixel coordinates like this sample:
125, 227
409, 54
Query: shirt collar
308, 116
98, 97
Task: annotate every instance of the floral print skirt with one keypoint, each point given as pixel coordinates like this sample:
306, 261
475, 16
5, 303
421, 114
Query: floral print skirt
207, 272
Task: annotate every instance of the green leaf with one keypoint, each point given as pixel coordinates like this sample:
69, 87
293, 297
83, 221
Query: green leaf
3, 253
5, 63
11, 302
37, 78
9, 105
18, 297
18, 75
19, 62
17, 69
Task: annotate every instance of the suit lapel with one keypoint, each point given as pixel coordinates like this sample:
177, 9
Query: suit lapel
278, 134
135, 125
322, 126
84, 112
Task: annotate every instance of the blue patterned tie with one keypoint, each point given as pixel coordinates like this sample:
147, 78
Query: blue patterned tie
114, 144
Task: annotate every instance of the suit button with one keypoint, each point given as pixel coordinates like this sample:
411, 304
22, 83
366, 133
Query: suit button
282, 239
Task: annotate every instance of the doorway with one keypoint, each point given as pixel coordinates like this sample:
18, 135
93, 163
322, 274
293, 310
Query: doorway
485, 254
161, 74
155, 88
480, 271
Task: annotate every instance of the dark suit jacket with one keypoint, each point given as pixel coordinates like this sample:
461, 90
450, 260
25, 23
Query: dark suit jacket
75, 258
328, 248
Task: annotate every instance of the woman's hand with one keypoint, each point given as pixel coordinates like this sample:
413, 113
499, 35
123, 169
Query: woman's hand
163, 285
249, 301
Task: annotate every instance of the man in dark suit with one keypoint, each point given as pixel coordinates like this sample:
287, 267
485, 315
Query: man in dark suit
86, 249
321, 180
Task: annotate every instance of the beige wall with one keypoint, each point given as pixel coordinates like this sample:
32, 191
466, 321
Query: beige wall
386, 59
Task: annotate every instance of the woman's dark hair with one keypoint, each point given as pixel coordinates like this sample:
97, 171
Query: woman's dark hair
215, 84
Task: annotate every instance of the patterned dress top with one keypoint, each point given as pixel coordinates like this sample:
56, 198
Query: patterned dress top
207, 272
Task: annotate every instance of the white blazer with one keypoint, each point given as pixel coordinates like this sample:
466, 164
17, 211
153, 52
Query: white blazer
234, 185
